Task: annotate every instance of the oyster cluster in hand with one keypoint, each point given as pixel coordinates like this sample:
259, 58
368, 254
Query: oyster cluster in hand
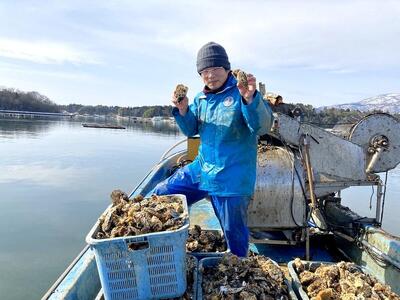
140, 215
180, 92
251, 278
340, 281
205, 240
241, 77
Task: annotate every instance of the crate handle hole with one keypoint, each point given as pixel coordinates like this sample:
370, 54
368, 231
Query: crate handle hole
138, 246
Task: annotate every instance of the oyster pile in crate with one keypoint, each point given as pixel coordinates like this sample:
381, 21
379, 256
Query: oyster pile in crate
205, 240
343, 280
140, 215
250, 278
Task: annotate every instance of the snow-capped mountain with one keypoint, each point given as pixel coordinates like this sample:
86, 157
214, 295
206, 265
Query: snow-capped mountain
386, 102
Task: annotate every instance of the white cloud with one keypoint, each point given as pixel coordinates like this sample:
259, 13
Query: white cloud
44, 52
340, 35
9, 69
305, 46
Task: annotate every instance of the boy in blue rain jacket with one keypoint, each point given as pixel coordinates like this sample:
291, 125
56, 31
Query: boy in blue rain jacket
228, 117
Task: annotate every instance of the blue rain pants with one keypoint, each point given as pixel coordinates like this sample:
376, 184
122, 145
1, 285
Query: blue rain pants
230, 211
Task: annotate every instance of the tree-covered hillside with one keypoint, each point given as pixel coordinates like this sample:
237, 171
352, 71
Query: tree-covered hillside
11, 99
141, 111
327, 116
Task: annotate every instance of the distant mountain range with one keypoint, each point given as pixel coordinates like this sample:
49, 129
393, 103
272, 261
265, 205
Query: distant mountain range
386, 102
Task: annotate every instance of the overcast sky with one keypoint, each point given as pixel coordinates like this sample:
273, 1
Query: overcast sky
133, 53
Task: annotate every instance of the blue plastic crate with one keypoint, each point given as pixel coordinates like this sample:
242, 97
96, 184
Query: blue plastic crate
214, 261
192, 295
142, 267
201, 255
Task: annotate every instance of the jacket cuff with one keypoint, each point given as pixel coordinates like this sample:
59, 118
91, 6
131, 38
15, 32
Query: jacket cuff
253, 105
175, 111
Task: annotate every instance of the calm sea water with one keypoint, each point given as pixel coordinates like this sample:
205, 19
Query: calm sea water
55, 180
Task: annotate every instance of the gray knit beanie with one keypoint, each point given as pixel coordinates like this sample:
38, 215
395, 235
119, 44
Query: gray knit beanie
212, 55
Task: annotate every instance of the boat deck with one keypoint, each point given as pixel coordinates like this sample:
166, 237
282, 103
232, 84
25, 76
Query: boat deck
81, 281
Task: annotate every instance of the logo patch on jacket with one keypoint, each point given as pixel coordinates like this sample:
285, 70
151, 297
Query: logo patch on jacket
228, 101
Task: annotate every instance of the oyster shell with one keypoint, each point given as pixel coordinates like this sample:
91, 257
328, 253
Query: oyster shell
107, 220
298, 264
118, 196
241, 77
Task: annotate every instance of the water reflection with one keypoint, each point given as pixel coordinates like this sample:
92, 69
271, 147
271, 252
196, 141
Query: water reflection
33, 128
143, 125
12, 128
159, 127
55, 180
37, 174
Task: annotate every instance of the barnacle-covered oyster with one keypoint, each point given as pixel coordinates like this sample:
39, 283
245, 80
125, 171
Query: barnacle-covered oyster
205, 240
118, 196
255, 277
241, 77
140, 216
180, 92
343, 280
298, 264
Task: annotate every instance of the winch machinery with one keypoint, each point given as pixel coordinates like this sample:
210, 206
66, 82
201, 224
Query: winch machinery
302, 167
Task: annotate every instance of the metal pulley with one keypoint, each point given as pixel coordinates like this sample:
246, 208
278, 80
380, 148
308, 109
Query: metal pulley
379, 135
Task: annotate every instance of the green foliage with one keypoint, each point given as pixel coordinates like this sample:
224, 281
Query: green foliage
148, 113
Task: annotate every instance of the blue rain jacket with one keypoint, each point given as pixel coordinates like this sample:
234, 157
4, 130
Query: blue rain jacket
228, 129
